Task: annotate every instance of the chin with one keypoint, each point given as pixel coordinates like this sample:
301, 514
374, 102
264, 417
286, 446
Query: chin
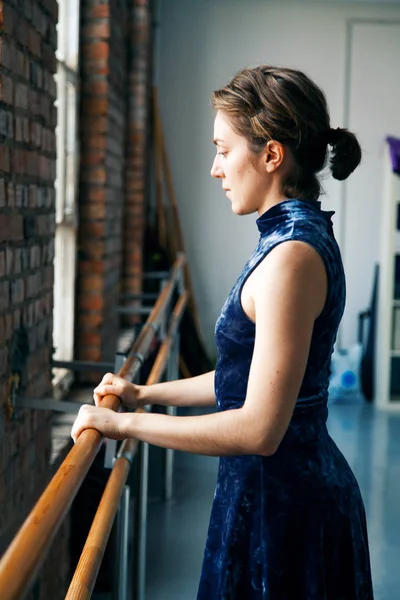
237, 209
241, 210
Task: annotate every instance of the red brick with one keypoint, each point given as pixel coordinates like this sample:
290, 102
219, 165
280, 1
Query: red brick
95, 106
93, 301
90, 320
2, 263
45, 167
34, 102
99, 29
7, 54
93, 158
21, 32
92, 283
86, 267
95, 87
2, 342
8, 19
100, 11
95, 51
4, 158
18, 129
34, 44
17, 291
48, 58
92, 211
94, 125
19, 161
51, 6
4, 295
88, 338
94, 175
11, 228
3, 198
93, 248
91, 354
6, 89
21, 96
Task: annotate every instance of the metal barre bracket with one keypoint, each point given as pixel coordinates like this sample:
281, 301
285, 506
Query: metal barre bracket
156, 275
111, 445
80, 365
48, 404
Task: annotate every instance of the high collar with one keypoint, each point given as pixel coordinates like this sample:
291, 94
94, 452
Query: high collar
289, 209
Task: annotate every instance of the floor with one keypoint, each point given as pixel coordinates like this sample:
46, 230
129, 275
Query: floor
370, 441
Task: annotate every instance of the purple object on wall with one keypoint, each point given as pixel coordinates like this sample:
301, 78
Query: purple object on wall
394, 145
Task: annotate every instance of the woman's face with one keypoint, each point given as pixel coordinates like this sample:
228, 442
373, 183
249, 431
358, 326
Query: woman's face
243, 173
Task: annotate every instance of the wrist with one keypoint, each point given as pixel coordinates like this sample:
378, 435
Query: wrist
142, 396
126, 425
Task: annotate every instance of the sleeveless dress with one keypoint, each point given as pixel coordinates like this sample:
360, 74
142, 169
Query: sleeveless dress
290, 526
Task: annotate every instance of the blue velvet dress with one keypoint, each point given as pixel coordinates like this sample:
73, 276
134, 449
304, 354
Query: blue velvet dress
290, 526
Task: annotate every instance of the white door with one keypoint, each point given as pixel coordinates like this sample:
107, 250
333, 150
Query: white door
373, 113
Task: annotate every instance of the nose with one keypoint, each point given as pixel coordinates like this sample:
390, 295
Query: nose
216, 170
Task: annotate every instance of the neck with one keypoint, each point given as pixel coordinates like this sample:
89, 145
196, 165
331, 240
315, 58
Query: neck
273, 196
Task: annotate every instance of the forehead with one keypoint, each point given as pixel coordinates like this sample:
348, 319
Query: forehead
223, 130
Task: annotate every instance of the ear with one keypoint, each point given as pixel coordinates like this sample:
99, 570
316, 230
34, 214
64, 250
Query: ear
274, 153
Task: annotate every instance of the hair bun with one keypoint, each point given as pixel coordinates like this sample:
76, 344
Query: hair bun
346, 152
333, 135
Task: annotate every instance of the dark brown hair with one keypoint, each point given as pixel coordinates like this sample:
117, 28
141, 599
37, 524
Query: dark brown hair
265, 103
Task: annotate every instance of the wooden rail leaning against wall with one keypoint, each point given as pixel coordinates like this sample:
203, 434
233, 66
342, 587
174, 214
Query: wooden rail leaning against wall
85, 576
22, 560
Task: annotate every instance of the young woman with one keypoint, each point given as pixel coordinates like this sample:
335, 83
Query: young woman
288, 520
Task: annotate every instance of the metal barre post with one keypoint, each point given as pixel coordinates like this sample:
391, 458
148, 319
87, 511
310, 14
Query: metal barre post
123, 545
20, 563
171, 410
141, 524
111, 445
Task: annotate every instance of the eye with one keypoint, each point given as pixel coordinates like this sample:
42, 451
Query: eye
222, 154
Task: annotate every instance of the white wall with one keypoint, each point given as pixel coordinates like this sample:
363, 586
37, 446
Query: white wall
201, 46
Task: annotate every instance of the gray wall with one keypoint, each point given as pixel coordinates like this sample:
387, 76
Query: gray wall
201, 45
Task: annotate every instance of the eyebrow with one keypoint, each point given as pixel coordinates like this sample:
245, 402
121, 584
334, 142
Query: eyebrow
217, 141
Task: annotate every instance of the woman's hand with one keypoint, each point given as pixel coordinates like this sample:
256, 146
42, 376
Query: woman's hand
106, 421
127, 392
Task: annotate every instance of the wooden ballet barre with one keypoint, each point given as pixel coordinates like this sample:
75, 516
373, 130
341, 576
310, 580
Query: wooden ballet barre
146, 335
163, 353
84, 579
23, 558
86, 572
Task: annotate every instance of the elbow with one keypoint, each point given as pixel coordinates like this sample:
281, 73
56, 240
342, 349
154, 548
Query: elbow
265, 446
267, 450
260, 439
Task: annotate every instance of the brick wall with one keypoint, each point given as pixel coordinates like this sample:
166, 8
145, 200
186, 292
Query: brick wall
138, 127
116, 75
27, 206
112, 171
102, 133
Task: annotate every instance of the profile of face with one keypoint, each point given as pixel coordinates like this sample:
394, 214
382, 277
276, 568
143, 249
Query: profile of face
248, 178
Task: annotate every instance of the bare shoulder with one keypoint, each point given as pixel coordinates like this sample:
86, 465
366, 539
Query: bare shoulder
293, 269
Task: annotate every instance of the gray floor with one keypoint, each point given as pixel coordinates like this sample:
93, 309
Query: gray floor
176, 531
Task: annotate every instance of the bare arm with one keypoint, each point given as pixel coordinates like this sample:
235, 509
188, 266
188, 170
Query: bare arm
289, 296
195, 391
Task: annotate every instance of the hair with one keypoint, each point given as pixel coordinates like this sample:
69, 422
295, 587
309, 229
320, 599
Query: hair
271, 103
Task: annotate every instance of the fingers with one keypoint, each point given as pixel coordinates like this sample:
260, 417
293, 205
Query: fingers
106, 421
110, 384
97, 398
105, 390
82, 422
99, 391
109, 378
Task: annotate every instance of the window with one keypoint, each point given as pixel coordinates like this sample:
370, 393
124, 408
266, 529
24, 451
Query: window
67, 79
